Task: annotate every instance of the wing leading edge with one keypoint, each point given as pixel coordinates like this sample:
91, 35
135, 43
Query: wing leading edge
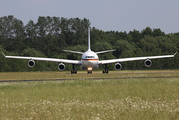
45, 59
134, 59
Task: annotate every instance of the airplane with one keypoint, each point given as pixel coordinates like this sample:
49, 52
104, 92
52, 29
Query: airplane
89, 60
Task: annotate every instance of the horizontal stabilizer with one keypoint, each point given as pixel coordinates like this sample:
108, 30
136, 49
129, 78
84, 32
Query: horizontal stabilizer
104, 51
73, 51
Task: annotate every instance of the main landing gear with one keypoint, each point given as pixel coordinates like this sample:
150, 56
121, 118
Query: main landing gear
105, 68
74, 69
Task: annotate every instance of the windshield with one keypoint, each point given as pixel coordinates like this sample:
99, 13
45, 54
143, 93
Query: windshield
89, 57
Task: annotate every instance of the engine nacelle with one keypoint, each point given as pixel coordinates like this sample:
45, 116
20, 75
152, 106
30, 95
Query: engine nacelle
148, 63
61, 67
31, 63
118, 66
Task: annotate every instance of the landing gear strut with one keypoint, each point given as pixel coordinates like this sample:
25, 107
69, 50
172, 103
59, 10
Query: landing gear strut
74, 69
105, 69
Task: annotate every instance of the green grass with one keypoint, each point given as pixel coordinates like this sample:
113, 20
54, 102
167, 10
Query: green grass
84, 75
144, 98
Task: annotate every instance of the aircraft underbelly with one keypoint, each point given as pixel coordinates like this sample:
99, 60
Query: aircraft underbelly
89, 64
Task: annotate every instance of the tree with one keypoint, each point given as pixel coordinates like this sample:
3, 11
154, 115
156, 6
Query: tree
111, 37
30, 30
136, 36
50, 35
147, 31
148, 44
123, 49
13, 30
101, 46
80, 30
158, 32
7, 26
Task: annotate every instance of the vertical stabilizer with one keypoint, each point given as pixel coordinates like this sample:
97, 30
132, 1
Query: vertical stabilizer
89, 49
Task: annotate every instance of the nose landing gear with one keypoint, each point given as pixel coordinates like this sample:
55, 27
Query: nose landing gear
89, 70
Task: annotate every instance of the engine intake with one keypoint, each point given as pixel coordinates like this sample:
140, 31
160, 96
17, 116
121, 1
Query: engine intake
31, 63
148, 63
118, 66
61, 67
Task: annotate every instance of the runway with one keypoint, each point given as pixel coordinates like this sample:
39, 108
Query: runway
86, 79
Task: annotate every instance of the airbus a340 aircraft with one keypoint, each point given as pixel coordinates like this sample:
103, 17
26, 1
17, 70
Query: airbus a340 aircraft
89, 60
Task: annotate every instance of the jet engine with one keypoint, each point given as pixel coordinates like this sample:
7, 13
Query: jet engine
31, 63
61, 67
148, 63
118, 66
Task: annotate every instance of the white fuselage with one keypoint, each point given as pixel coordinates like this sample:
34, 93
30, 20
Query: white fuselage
89, 60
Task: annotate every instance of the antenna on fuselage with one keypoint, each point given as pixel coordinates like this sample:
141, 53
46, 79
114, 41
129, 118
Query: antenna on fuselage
89, 49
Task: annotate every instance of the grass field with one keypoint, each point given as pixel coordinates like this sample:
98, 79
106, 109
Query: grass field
134, 96
84, 75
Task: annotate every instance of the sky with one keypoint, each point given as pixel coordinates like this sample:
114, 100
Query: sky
106, 15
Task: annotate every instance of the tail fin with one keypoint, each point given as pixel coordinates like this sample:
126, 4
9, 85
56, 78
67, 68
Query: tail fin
89, 49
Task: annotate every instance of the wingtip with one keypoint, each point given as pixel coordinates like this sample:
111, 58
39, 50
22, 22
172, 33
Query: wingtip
3, 54
176, 53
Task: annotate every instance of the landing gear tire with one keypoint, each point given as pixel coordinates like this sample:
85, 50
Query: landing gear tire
89, 72
105, 71
73, 72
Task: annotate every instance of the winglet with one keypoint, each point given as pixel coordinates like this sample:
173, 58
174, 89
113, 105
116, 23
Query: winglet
175, 53
3, 54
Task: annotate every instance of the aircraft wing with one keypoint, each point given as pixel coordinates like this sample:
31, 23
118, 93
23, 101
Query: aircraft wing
134, 59
45, 59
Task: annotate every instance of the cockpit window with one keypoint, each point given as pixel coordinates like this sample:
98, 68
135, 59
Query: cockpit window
89, 57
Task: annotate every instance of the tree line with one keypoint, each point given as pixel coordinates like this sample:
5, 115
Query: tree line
49, 36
